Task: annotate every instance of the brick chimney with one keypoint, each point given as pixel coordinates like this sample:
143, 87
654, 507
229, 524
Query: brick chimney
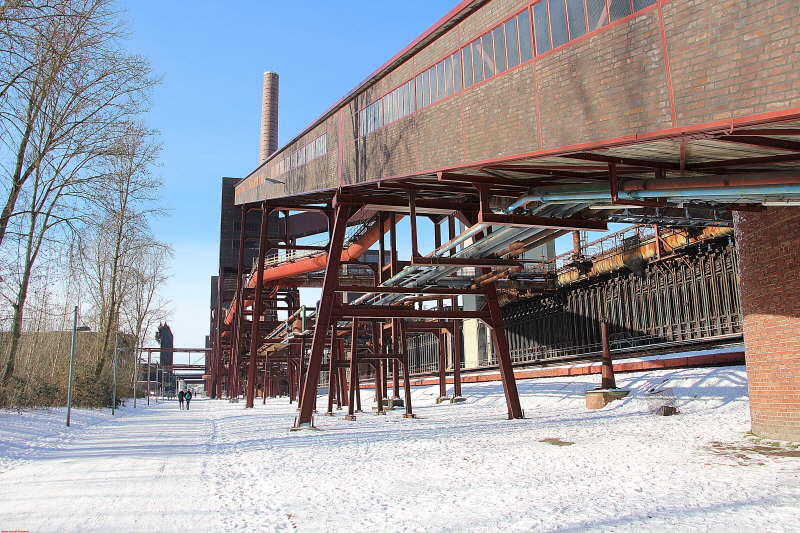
269, 116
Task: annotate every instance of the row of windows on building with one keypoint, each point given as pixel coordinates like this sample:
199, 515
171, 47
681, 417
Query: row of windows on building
505, 46
316, 148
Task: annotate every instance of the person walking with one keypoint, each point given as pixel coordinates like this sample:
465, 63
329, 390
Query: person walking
181, 396
188, 397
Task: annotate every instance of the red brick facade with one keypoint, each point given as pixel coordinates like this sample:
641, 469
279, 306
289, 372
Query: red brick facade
769, 258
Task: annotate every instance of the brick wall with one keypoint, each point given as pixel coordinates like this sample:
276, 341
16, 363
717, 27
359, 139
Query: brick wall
732, 58
769, 258
608, 85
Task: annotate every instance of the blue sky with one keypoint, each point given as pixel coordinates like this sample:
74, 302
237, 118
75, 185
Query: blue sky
212, 55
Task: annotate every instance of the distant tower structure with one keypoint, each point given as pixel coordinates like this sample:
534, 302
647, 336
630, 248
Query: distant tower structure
165, 340
269, 116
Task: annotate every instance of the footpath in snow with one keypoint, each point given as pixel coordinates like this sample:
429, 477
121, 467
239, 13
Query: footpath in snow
459, 468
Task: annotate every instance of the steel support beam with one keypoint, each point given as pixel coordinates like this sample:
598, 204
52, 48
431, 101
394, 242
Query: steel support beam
257, 311
324, 318
503, 353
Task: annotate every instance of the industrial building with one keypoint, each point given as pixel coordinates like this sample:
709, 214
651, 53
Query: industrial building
507, 125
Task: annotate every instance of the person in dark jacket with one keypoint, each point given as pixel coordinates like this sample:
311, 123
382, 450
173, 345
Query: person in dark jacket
188, 398
181, 396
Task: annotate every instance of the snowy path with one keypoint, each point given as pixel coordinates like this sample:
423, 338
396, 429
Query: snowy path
459, 468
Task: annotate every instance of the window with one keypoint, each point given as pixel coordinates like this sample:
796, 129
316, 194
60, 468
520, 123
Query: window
512, 46
486, 54
525, 46
477, 63
448, 76
456, 72
558, 22
576, 15
466, 53
500, 49
596, 14
541, 28
439, 82
618, 9
316, 148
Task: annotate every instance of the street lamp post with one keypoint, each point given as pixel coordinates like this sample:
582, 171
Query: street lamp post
72, 362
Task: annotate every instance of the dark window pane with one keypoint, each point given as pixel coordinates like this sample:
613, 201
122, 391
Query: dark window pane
432, 77
619, 9
524, 30
448, 76
641, 4
541, 29
512, 46
426, 88
477, 62
558, 22
456, 72
440, 81
577, 22
488, 60
466, 53
499, 49
596, 13
419, 92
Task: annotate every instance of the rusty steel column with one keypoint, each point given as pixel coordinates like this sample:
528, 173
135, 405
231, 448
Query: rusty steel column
451, 234
236, 332
442, 368
503, 354
607, 376
325, 308
341, 378
332, 371
269, 116
378, 365
353, 371
255, 336
456, 356
406, 378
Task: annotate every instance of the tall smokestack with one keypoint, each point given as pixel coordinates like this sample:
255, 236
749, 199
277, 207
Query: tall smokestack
269, 116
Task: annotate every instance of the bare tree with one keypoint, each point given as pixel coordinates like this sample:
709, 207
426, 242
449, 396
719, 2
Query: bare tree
70, 95
122, 235
53, 203
68, 78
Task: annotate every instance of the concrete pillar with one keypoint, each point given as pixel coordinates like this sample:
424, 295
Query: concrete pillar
269, 116
769, 260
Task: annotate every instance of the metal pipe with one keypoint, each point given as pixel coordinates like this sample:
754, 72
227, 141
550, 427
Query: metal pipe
603, 192
788, 177
319, 262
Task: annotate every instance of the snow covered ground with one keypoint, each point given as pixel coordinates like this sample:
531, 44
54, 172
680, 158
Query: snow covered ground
459, 468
